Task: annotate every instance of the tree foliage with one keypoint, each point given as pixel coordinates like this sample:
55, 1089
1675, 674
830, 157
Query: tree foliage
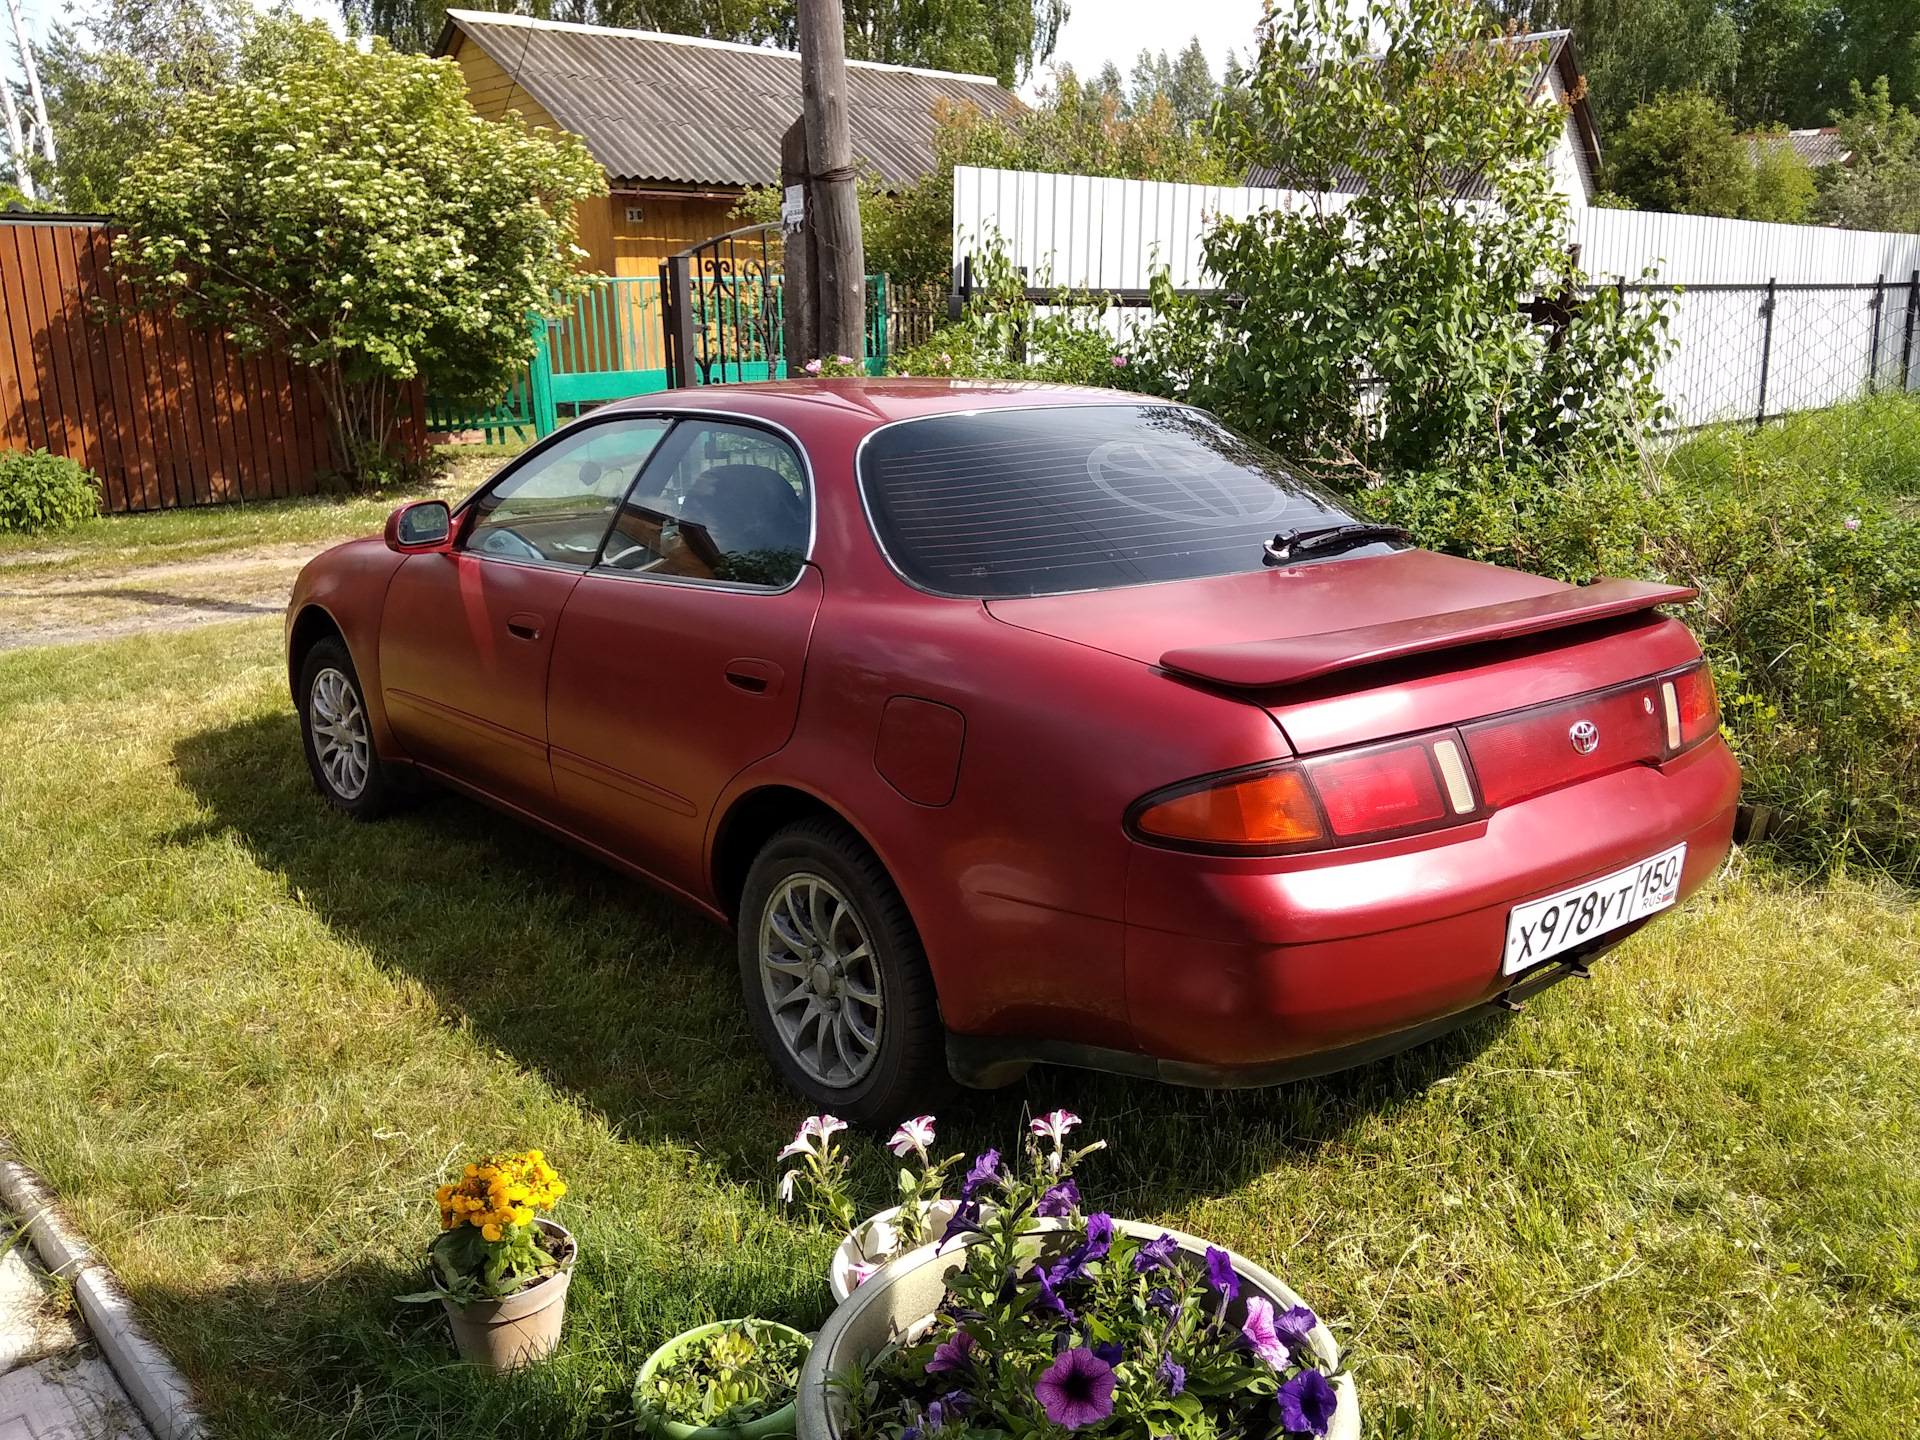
113, 79
350, 211
1879, 188
1768, 62
1387, 333
1678, 154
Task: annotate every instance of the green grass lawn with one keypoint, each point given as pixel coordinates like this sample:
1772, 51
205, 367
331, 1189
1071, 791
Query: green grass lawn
199, 531
244, 1037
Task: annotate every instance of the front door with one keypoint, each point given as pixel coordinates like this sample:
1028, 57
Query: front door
680, 654
466, 637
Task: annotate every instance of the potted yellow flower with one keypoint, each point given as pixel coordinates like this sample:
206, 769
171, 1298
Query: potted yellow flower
499, 1268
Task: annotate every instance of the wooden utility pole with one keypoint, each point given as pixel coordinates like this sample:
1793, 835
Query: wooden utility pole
801, 318
833, 208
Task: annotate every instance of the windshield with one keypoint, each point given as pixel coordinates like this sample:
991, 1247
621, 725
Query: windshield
1083, 497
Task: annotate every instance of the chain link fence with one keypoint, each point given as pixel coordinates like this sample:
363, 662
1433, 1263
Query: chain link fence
1821, 376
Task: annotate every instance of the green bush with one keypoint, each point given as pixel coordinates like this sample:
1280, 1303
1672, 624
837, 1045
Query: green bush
1809, 607
39, 491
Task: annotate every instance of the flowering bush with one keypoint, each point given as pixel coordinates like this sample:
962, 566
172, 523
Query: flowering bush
1078, 1325
830, 366
489, 1246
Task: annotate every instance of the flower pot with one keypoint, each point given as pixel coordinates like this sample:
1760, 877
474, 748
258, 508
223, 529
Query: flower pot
524, 1327
901, 1298
877, 1241
662, 1427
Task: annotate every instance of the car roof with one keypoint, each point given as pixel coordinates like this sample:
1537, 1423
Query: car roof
881, 401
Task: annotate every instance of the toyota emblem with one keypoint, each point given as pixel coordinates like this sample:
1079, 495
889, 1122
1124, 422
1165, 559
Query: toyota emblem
1585, 736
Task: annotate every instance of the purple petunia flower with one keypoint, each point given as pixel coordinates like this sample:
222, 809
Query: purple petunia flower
965, 1221
1155, 1253
1307, 1404
1295, 1326
1165, 1301
1112, 1352
936, 1416
1077, 1389
1047, 1299
1073, 1265
957, 1401
954, 1354
1259, 1332
912, 1432
1059, 1202
1220, 1273
985, 1171
1171, 1374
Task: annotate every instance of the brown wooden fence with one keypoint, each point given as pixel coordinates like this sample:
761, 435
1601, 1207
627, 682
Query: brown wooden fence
165, 414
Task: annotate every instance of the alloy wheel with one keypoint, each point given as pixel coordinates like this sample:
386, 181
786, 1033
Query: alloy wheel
821, 978
338, 723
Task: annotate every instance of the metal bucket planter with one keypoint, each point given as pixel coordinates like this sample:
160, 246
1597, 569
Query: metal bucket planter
524, 1327
901, 1298
877, 1241
662, 1427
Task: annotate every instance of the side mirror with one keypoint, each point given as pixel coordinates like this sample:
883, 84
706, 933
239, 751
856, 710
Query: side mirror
419, 526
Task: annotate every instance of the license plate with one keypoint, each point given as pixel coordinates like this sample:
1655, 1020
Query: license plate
1543, 929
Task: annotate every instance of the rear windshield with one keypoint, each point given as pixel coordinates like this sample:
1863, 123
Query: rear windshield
1084, 497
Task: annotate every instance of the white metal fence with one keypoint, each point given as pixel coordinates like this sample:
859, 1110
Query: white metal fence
1771, 318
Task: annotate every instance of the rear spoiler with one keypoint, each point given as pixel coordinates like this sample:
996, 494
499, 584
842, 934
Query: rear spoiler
1263, 664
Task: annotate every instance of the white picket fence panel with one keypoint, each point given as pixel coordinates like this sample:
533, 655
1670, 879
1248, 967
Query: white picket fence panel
1092, 233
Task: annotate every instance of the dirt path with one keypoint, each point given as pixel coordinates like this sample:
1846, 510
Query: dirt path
98, 599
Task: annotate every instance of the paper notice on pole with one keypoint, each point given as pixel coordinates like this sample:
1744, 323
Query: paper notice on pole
793, 207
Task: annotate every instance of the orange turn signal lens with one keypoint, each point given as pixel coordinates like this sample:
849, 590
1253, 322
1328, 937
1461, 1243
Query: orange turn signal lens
1274, 808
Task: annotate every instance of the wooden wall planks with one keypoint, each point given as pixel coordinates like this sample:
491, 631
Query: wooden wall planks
163, 413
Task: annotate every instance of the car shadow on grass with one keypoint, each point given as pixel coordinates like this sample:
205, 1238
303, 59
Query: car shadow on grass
632, 1002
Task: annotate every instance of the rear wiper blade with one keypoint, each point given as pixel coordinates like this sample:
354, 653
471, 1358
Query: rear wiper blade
1292, 545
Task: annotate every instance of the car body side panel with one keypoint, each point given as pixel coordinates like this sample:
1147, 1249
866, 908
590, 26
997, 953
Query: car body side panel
1017, 882
349, 582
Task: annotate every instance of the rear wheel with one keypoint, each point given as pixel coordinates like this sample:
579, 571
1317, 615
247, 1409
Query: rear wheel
835, 977
338, 736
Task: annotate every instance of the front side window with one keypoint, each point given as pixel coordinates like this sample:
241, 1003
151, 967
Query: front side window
722, 503
1081, 497
556, 507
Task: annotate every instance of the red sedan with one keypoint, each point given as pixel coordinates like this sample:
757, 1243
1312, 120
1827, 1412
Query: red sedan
1008, 724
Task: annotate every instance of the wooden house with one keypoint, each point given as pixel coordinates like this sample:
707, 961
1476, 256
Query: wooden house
683, 126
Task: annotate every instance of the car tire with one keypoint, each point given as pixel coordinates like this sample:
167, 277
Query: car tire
836, 979
337, 734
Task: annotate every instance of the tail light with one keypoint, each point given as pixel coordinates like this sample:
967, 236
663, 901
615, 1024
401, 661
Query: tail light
1692, 707
1402, 788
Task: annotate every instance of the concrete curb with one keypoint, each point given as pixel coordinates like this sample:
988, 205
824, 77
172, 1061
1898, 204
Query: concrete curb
157, 1390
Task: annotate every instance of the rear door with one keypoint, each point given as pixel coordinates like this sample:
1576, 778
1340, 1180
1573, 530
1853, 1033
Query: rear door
680, 653
466, 637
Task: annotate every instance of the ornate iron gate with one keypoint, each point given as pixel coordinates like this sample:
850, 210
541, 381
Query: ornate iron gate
723, 309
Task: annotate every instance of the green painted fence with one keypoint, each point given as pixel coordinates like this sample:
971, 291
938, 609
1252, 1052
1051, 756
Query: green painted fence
610, 343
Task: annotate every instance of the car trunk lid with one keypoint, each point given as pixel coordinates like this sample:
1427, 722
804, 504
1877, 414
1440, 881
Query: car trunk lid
1347, 652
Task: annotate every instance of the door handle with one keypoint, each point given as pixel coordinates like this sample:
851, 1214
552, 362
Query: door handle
524, 626
756, 677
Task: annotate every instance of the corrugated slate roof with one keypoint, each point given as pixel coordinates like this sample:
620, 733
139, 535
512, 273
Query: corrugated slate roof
1816, 147
679, 108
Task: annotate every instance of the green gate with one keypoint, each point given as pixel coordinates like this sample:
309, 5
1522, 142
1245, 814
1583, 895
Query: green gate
611, 342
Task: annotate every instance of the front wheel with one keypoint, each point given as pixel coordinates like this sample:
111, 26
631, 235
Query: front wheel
835, 977
337, 735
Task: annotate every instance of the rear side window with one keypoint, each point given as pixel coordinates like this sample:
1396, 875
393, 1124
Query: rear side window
1085, 497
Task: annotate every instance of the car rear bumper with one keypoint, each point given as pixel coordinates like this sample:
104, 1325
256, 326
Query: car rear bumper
1251, 972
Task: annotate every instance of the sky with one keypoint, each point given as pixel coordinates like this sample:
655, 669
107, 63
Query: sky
1118, 30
